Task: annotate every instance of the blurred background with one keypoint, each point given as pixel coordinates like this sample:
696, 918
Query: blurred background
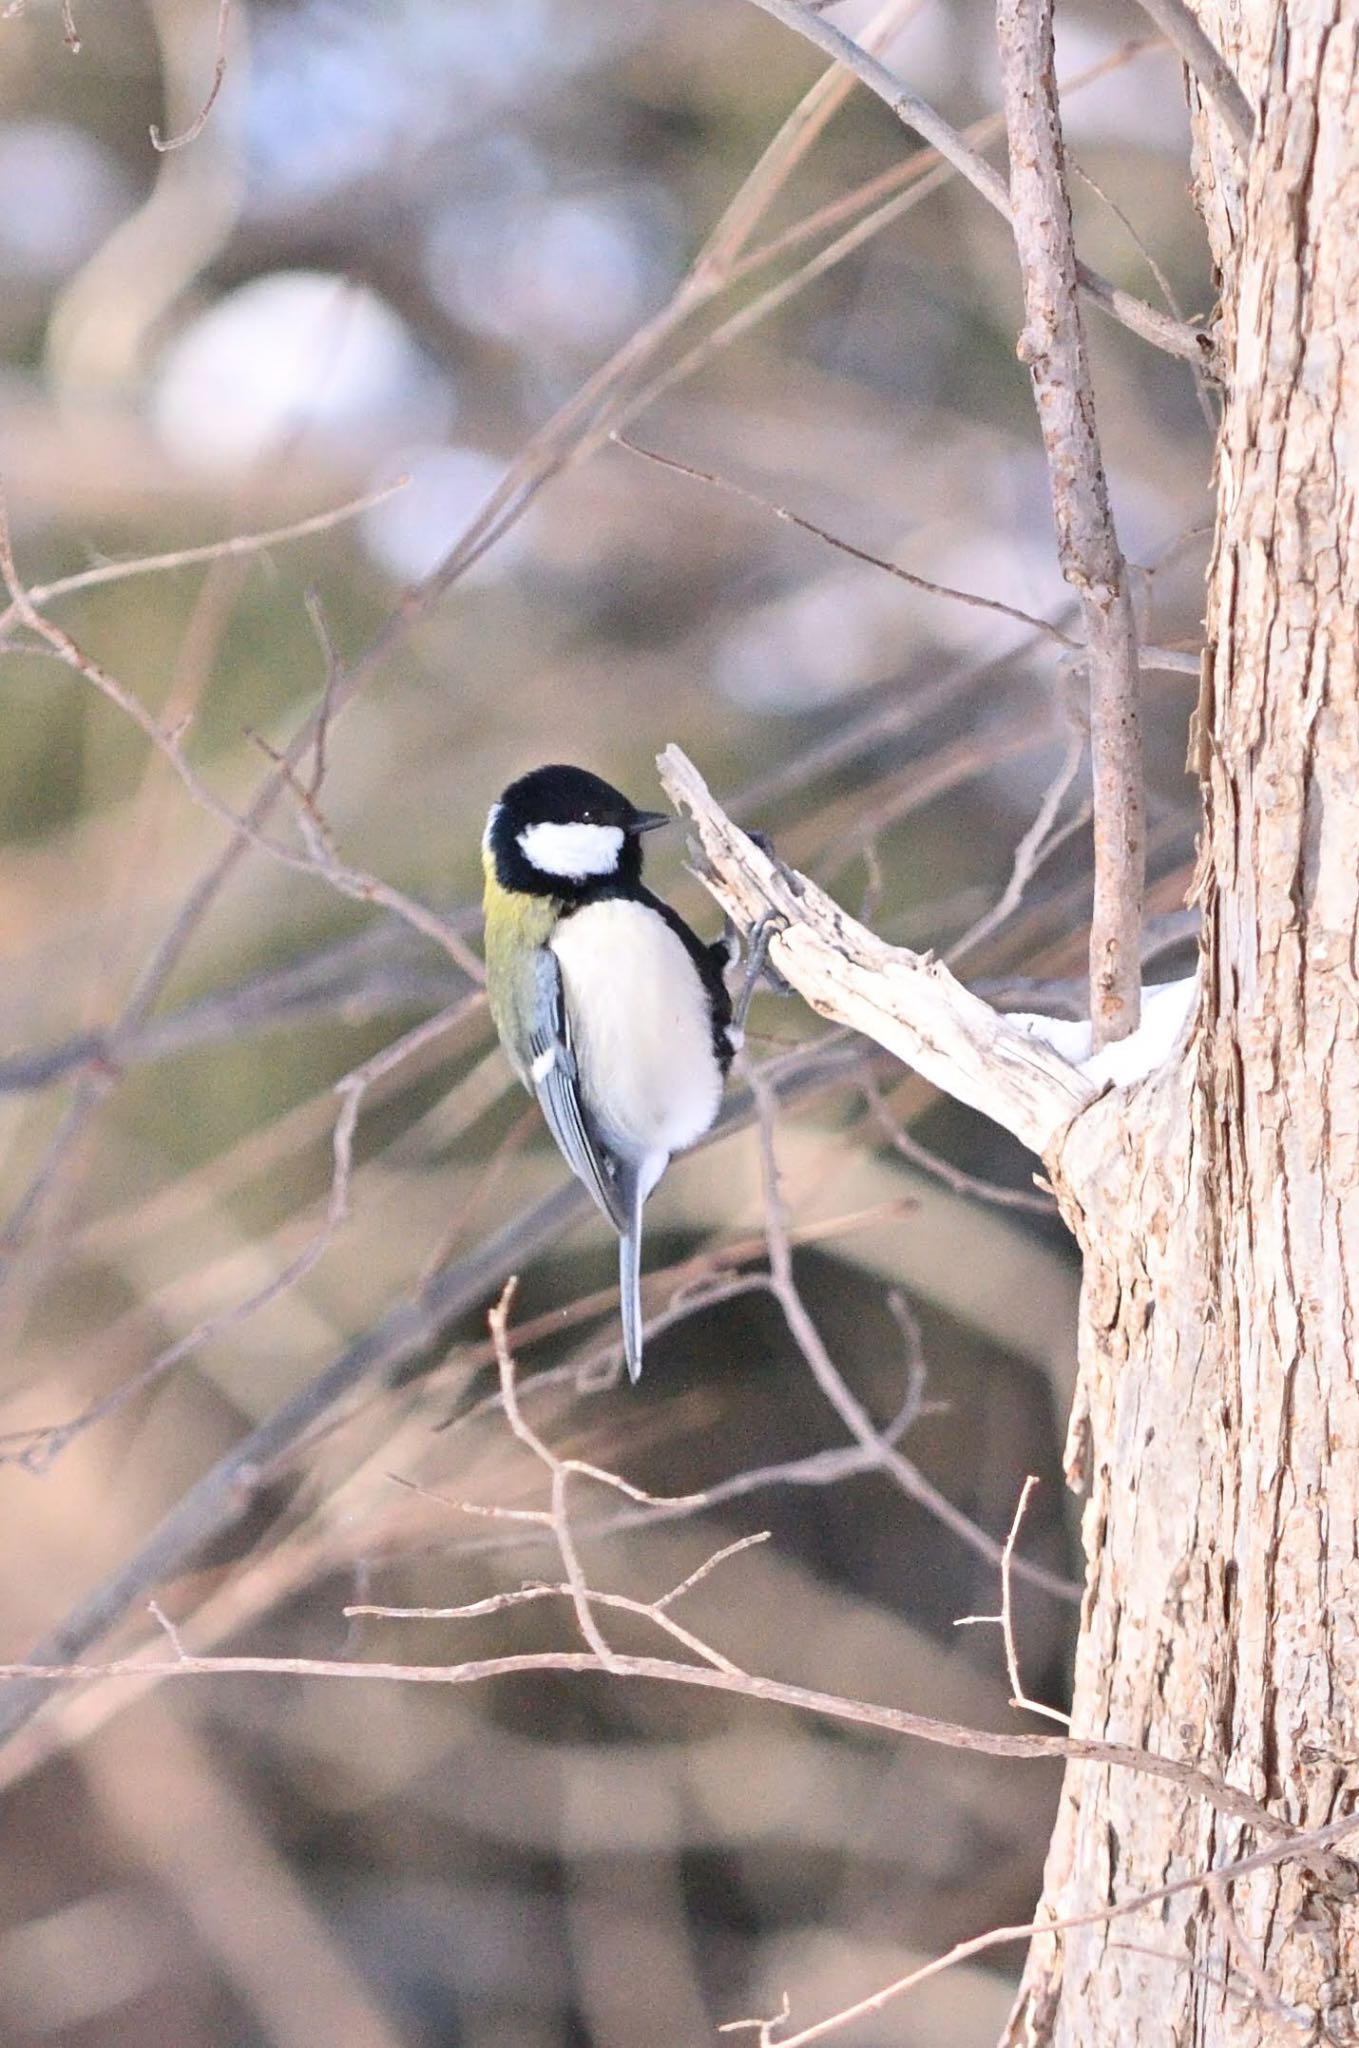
358, 302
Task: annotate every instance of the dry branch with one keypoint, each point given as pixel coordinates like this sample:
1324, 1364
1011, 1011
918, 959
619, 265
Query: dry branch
1053, 346
1163, 332
907, 1002
224, 1494
716, 1677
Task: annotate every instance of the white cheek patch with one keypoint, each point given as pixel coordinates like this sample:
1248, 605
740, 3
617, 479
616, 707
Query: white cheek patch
572, 851
491, 817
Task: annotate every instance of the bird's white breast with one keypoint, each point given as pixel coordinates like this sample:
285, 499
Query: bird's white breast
640, 1024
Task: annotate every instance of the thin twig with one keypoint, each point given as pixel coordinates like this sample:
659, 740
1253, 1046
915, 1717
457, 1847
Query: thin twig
558, 1518
1028, 1201
1053, 346
236, 544
36, 1448
1029, 855
855, 1417
1003, 1937
1005, 1619
846, 547
1249, 1964
319, 861
1153, 326
717, 1677
200, 120
1148, 255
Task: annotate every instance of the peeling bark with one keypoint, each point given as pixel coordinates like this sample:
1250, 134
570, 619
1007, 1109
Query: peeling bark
1217, 1427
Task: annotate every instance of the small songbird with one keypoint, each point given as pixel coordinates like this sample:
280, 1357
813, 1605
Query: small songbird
613, 1013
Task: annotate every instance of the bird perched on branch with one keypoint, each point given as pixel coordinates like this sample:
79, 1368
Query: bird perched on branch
612, 1012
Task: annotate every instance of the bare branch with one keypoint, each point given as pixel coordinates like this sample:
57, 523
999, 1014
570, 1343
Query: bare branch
35, 1448
1164, 333
893, 1463
715, 1677
234, 545
847, 547
1099, 1916
200, 120
904, 1001
1005, 1620
1053, 346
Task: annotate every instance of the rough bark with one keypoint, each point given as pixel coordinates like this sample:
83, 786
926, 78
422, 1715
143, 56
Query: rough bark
1217, 1429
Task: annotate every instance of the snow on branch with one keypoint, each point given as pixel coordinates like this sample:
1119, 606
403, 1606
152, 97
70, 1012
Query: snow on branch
907, 1002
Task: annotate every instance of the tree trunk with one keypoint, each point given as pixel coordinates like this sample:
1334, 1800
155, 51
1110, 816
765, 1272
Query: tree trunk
1217, 1429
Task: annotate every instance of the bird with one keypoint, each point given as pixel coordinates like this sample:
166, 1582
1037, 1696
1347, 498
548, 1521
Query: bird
612, 1012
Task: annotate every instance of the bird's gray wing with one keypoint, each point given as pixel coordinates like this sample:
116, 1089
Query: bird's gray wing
556, 1083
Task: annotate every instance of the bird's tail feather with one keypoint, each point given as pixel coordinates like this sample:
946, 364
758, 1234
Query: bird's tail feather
630, 1287
635, 1184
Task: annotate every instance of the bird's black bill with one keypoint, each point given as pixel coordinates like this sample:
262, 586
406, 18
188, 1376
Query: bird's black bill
650, 821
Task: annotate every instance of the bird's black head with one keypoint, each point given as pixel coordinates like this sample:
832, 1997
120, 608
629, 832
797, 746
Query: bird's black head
563, 832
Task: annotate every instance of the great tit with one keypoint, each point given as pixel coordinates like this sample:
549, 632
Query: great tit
613, 1013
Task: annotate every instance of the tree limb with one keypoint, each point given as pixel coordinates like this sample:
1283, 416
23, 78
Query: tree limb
1053, 346
1158, 328
907, 1002
1215, 77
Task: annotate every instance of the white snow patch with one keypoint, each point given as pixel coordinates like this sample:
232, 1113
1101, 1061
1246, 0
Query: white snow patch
1166, 1008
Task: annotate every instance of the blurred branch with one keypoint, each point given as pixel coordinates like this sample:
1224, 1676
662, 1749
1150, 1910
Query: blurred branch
1053, 346
904, 1001
210, 551
901, 1470
35, 1448
1318, 1840
219, 1499
223, 1495
1215, 77
319, 860
922, 174
1131, 312
371, 975
780, 157
571, 434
